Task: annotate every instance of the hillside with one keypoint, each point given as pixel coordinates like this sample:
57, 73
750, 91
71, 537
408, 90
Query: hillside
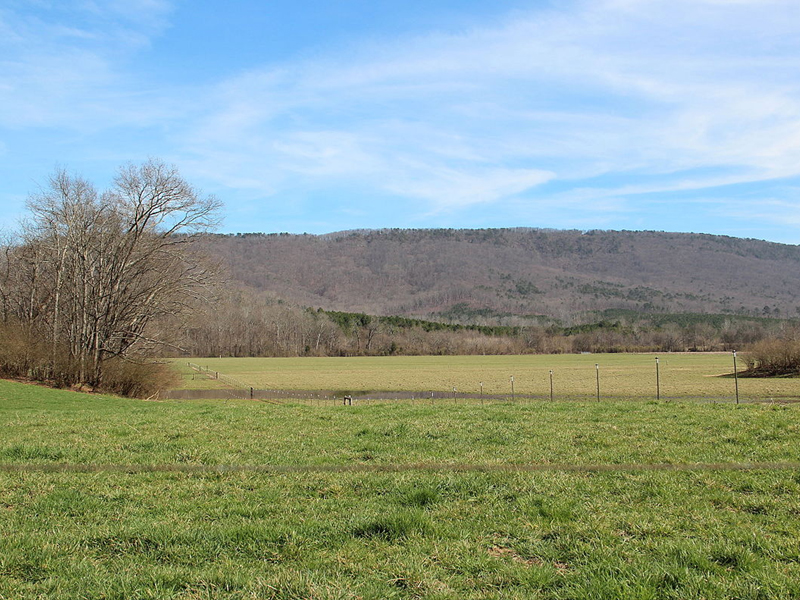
488, 275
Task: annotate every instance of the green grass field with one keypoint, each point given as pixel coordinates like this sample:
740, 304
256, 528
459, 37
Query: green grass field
690, 375
104, 497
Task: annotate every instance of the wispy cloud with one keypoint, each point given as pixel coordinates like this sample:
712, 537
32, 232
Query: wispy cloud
586, 109
644, 88
775, 211
64, 65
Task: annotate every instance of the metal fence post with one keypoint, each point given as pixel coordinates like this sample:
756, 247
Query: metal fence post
597, 369
658, 383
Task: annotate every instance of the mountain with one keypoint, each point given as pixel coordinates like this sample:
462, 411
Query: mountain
502, 275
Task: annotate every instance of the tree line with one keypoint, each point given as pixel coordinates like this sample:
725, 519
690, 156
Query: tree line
247, 323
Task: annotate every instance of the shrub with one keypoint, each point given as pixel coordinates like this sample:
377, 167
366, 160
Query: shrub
24, 354
137, 379
774, 358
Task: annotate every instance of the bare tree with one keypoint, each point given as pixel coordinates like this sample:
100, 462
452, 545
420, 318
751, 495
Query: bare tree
99, 269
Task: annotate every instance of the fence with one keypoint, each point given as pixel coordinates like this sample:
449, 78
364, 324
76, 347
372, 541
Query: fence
332, 396
236, 389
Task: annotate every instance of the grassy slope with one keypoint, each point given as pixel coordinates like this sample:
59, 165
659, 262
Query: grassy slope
406, 534
621, 375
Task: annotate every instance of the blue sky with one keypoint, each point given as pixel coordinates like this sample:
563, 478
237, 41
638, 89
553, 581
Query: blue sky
312, 116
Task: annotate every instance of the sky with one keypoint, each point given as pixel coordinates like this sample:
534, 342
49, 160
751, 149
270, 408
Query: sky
317, 116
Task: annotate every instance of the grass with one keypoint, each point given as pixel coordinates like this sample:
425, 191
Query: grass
407, 533
685, 375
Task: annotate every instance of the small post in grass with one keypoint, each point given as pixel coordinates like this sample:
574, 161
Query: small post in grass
551, 385
481, 392
658, 383
454, 394
597, 370
512, 388
736, 377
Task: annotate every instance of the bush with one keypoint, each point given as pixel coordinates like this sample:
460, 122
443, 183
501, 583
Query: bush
25, 355
774, 358
137, 379
22, 353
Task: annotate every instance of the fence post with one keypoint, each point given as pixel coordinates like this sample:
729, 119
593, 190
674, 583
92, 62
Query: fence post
658, 383
736, 377
551, 385
597, 369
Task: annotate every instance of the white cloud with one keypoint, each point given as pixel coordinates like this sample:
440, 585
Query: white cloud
775, 211
608, 99
59, 74
448, 189
638, 87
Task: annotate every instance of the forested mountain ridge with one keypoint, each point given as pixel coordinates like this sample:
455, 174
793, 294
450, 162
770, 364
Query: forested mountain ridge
499, 275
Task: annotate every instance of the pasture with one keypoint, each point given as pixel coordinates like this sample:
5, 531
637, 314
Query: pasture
102, 497
622, 376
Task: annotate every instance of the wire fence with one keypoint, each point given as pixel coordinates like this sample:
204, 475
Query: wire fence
239, 390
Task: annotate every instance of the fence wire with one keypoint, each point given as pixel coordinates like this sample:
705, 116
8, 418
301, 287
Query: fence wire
239, 390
